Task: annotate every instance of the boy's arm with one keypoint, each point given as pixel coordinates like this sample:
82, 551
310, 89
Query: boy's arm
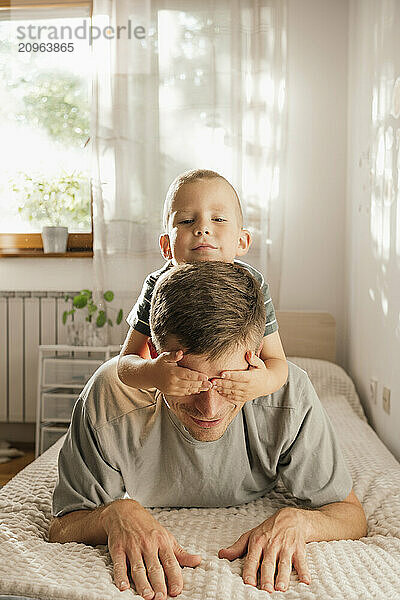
133, 360
273, 356
136, 369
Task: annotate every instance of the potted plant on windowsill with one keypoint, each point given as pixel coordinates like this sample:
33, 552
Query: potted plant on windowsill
56, 203
93, 329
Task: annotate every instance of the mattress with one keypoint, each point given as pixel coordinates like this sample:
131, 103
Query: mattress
362, 569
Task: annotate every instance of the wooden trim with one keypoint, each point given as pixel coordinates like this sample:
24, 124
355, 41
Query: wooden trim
24, 241
24, 244
21, 4
308, 334
40, 254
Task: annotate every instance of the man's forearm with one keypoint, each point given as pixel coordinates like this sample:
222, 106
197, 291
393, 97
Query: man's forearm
83, 526
336, 521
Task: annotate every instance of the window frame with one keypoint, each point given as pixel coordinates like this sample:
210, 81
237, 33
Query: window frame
21, 4
30, 244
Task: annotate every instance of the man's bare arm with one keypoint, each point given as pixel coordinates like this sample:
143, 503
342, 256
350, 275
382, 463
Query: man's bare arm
337, 521
83, 526
133, 535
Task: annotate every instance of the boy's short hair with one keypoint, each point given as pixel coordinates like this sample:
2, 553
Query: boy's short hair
209, 308
190, 177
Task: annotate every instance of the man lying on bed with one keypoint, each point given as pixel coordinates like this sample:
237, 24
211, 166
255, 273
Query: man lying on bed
202, 449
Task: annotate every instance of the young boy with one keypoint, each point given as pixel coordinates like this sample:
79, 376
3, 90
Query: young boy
203, 221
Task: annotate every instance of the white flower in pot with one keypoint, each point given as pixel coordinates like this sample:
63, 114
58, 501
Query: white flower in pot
55, 202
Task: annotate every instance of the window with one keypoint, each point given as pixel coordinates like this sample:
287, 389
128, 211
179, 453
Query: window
45, 95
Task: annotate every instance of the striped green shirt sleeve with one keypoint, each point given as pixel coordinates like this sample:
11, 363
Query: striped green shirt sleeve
271, 324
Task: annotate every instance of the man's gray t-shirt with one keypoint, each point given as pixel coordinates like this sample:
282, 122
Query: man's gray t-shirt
124, 441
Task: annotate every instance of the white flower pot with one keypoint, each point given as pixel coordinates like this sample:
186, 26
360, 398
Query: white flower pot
55, 239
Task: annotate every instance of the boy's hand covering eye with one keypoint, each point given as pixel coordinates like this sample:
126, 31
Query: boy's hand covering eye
174, 380
246, 385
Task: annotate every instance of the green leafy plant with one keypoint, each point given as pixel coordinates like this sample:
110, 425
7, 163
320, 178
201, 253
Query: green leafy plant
84, 300
60, 200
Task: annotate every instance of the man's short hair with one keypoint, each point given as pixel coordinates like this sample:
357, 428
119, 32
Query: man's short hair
209, 308
190, 177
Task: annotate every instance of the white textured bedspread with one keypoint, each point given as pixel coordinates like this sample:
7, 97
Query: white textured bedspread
363, 569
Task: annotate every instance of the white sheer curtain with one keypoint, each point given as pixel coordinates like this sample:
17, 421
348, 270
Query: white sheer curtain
205, 88
376, 46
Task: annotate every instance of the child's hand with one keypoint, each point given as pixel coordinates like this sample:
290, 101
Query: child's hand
173, 380
244, 385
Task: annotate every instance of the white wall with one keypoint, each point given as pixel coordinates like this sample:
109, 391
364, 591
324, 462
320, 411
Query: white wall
373, 217
45, 274
313, 254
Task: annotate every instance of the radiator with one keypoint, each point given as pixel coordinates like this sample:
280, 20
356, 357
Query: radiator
28, 319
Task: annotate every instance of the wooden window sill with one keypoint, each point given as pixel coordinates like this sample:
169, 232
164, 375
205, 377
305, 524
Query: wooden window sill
38, 253
80, 245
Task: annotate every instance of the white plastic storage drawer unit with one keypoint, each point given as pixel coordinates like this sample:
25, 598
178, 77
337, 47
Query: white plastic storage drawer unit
67, 372
58, 405
49, 436
63, 373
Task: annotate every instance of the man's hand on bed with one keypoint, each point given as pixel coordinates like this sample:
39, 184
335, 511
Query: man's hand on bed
274, 546
154, 555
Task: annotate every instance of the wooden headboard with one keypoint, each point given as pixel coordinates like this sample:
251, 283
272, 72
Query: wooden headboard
308, 334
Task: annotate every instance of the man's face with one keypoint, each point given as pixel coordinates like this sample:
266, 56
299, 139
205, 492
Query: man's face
204, 224
207, 415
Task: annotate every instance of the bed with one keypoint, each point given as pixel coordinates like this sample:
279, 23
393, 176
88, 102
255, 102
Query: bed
365, 569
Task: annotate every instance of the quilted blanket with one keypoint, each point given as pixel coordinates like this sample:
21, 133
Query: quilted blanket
362, 569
